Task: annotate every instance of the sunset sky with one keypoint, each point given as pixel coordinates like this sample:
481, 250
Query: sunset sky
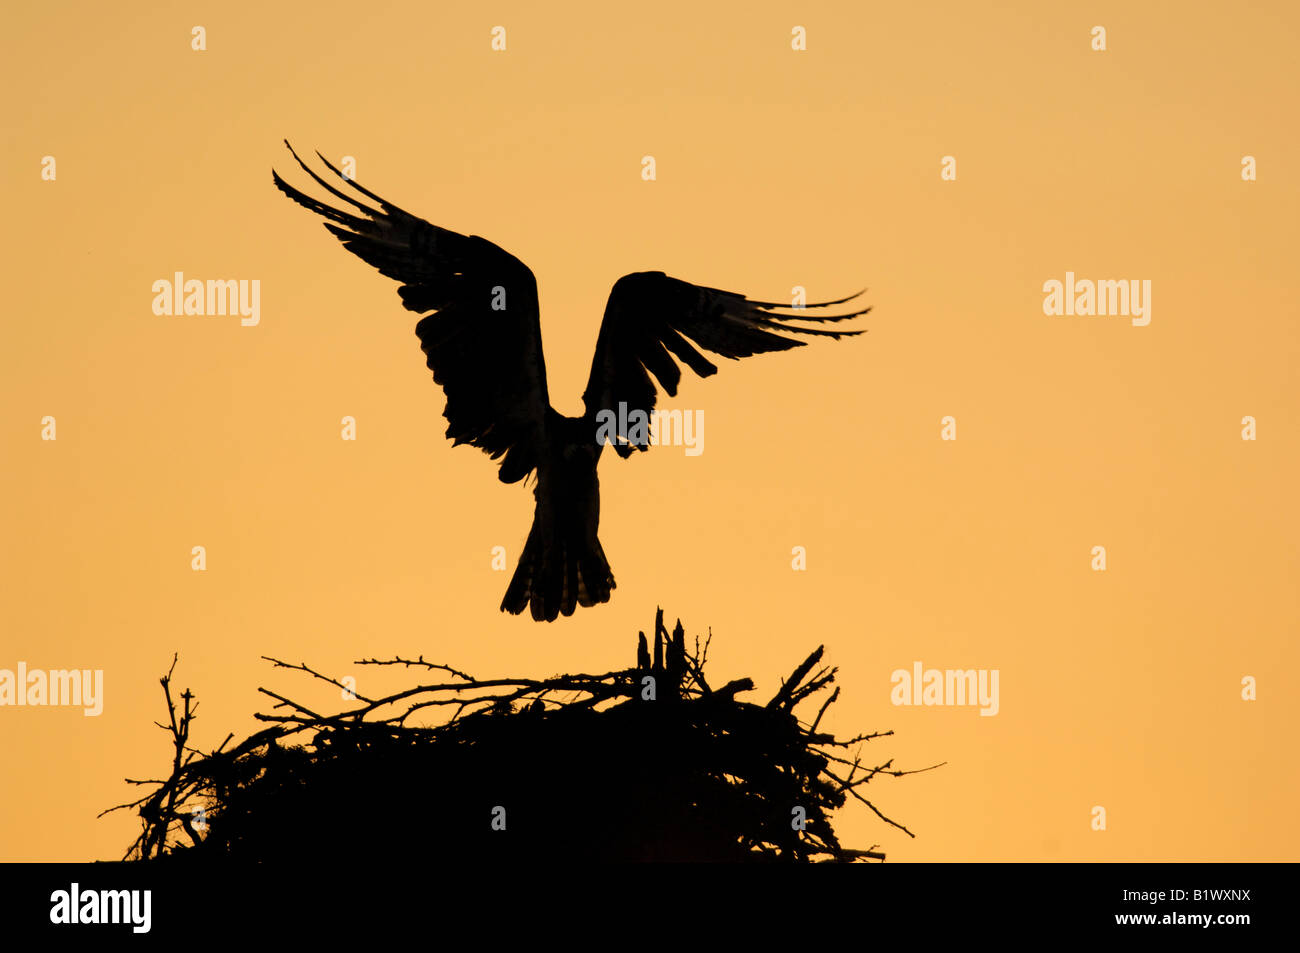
775, 168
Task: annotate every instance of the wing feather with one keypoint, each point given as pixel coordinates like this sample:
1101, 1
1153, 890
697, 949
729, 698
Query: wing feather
481, 331
650, 318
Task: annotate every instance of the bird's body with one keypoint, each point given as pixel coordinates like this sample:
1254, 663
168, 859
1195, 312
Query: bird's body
563, 564
481, 336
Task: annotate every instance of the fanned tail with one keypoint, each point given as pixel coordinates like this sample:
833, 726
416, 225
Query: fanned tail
558, 572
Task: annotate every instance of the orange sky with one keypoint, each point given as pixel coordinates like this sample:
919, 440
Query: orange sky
775, 168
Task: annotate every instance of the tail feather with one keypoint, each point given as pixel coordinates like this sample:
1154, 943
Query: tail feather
555, 575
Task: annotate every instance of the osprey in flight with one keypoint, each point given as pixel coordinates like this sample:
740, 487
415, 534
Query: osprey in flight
482, 338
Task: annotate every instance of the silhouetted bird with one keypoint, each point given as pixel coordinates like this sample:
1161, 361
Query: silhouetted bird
482, 337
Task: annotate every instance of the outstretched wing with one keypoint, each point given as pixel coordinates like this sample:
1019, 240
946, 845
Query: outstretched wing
483, 340
651, 317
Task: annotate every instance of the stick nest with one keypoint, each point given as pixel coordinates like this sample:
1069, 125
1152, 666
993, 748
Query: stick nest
646, 764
